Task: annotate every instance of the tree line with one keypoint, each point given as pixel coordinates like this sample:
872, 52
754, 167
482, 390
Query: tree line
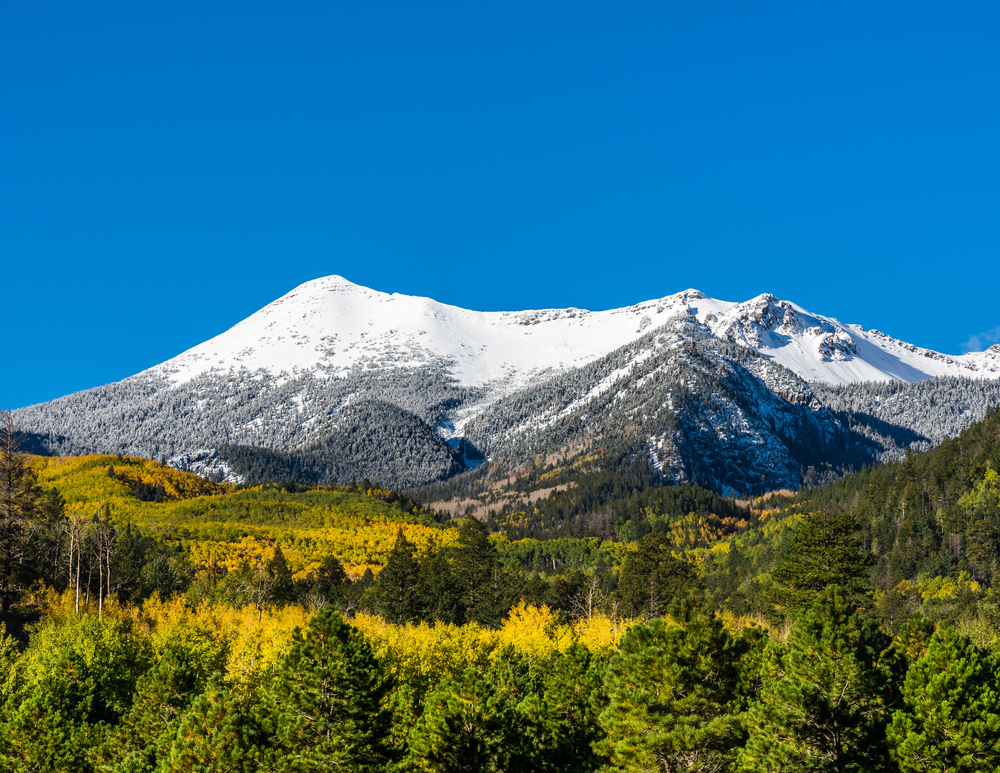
681, 692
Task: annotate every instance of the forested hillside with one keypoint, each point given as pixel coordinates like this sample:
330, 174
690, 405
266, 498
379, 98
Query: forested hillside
931, 514
611, 624
900, 416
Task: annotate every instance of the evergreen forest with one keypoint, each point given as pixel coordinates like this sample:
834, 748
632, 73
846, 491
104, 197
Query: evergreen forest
152, 620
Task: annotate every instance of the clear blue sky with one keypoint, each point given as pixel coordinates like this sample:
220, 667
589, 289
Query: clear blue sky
166, 169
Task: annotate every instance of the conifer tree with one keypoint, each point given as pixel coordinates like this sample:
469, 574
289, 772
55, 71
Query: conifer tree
116, 655
52, 730
980, 509
486, 590
21, 506
397, 595
912, 641
442, 599
651, 577
162, 695
463, 727
405, 709
823, 551
217, 733
281, 587
513, 684
10, 666
826, 695
951, 718
327, 700
562, 720
329, 580
671, 695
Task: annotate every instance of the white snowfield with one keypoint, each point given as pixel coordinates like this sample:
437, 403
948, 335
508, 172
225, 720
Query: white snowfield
331, 326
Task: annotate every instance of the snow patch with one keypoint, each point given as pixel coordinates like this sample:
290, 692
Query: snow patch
330, 326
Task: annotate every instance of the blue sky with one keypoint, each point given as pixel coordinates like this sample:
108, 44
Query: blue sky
168, 169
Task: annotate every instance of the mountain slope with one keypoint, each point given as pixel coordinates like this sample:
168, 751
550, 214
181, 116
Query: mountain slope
332, 326
335, 382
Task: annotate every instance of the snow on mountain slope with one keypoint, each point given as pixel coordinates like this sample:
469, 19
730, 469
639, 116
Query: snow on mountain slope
334, 326
336, 382
331, 326
823, 349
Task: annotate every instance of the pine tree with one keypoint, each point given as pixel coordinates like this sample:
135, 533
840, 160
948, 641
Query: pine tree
823, 551
651, 577
671, 694
10, 666
951, 719
53, 729
217, 733
980, 509
162, 695
442, 600
562, 721
280, 585
486, 590
405, 709
327, 700
463, 727
21, 507
513, 684
329, 580
397, 596
826, 695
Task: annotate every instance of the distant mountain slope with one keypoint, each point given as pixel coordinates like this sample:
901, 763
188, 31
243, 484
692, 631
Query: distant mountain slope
914, 416
335, 382
332, 326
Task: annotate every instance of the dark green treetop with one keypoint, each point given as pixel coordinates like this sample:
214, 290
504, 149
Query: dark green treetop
398, 593
826, 697
951, 717
672, 690
221, 732
486, 590
328, 700
651, 577
464, 726
823, 551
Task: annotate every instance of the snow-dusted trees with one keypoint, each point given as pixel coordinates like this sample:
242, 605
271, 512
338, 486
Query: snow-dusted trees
693, 407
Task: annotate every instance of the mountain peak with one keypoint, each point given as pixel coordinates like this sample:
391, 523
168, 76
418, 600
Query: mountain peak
332, 326
331, 359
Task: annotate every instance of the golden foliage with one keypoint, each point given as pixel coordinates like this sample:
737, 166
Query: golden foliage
102, 478
422, 653
251, 641
221, 526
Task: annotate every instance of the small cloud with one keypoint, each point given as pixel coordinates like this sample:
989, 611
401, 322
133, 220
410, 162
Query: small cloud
981, 341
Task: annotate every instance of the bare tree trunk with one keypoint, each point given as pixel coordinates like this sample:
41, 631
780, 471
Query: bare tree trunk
105, 542
75, 529
57, 549
78, 574
107, 559
100, 571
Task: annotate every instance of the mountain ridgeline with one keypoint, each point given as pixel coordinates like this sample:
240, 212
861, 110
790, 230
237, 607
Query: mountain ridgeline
336, 383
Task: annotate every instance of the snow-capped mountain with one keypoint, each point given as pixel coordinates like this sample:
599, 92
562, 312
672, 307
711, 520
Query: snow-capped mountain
332, 326
335, 382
